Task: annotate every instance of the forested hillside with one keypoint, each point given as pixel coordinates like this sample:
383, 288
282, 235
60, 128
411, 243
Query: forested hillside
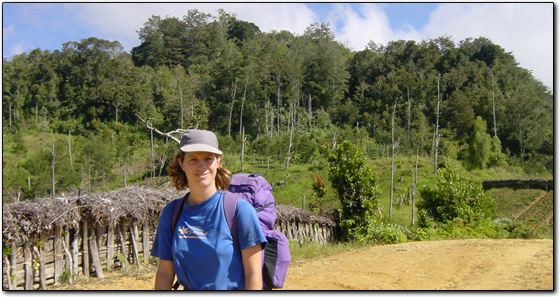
71, 117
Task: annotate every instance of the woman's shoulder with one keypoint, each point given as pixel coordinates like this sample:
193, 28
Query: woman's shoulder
168, 208
244, 206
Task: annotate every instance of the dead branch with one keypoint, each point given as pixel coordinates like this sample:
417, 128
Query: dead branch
166, 134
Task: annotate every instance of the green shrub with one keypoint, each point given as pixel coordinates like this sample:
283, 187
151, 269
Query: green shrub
455, 195
355, 184
380, 234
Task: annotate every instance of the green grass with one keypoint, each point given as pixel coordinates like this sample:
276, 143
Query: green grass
289, 187
309, 251
297, 182
402, 184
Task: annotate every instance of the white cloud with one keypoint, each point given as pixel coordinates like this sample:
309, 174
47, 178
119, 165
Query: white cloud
356, 30
7, 31
524, 29
15, 48
19, 48
293, 17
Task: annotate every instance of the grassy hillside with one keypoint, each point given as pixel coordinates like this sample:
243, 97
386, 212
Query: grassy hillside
291, 186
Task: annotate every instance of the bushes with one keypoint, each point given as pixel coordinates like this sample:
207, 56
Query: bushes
457, 207
383, 234
355, 184
454, 196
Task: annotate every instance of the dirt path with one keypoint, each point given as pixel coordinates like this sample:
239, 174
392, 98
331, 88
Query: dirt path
471, 264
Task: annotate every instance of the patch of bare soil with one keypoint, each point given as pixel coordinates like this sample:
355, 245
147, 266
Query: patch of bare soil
471, 264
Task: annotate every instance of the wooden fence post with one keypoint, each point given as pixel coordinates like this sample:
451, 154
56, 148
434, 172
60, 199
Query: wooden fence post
146, 241
98, 238
124, 259
85, 249
41, 255
75, 248
110, 246
57, 244
94, 251
133, 239
68, 261
10, 267
27, 264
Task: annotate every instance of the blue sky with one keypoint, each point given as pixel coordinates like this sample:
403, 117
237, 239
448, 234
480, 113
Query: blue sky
524, 29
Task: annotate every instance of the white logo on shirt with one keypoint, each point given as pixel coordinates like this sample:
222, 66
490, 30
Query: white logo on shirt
192, 232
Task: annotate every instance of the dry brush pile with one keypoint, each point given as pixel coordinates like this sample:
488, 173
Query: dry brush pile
25, 221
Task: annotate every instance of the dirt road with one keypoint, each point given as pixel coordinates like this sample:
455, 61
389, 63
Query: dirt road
471, 264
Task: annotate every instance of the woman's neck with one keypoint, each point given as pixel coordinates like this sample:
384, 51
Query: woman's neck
198, 196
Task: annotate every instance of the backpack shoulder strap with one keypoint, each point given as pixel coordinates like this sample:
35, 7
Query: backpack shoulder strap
176, 213
230, 205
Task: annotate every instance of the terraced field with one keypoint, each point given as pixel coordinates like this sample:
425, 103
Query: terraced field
532, 206
540, 211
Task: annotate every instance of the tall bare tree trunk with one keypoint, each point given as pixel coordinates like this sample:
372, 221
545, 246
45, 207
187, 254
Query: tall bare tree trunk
70, 151
163, 157
415, 182
310, 111
435, 143
292, 120
266, 116
242, 105
152, 154
409, 113
116, 112
180, 89
10, 115
394, 145
242, 147
494, 113
53, 155
124, 172
233, 91
279, 95
271, 121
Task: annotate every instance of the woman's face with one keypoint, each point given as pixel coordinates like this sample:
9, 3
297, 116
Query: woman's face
200, 168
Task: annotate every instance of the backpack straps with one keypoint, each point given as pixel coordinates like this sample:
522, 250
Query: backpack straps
176, 213
265, 206
230, 205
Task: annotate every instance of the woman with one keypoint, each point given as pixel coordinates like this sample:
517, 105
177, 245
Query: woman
202, 252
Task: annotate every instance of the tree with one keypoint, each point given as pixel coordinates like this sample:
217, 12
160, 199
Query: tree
326, 75
454, 196
355, 184
480, 144
161, 42
437, 135
394, 145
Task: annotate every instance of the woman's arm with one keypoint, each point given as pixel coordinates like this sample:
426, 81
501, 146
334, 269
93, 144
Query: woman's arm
165, 275
252, 259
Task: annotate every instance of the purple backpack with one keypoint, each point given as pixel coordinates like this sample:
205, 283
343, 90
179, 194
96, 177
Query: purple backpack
257, 191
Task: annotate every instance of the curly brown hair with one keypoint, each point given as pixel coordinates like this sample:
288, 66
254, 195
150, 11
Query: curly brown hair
179, 178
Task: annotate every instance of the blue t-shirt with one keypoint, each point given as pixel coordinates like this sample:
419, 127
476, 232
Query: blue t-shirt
202, 249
